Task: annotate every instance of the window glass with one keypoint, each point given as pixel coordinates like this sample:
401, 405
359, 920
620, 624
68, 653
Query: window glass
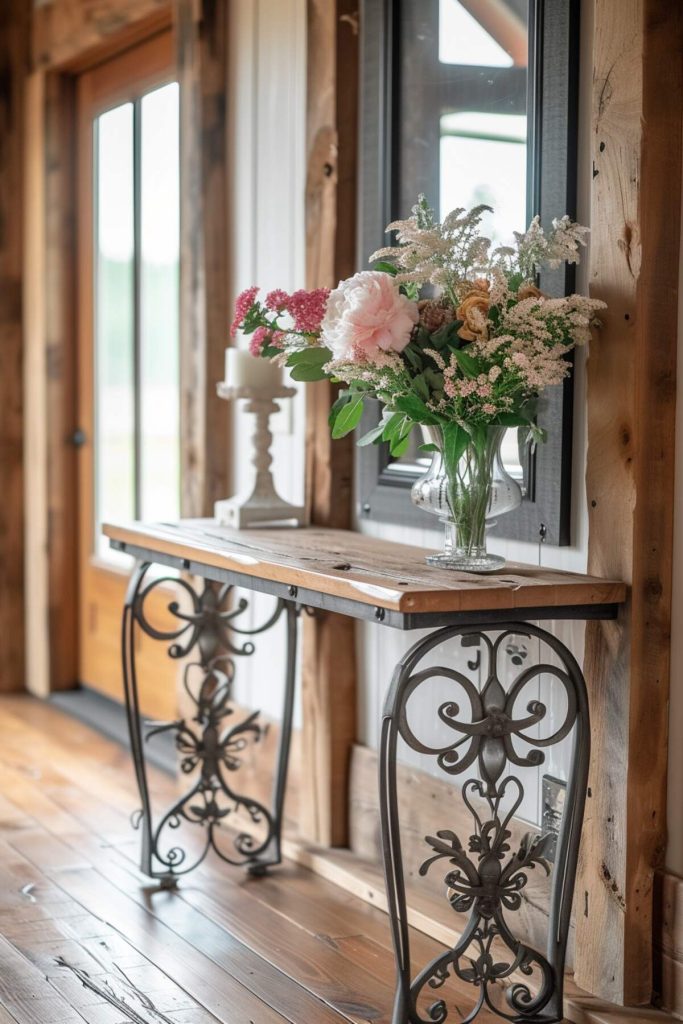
462, 130
114, 356
159, 263
136, 346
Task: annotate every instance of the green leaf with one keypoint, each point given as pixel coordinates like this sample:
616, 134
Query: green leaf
468, 364
386, 267
373, 436
391, 425
455, 441
415, 408
434, 378
429, 447
399, 447
420, 385
511, 419
399, 441
447, 334
313, 356
348, 418
308, 373
336, 408
410, 290
514, 281
307, 364
412, 357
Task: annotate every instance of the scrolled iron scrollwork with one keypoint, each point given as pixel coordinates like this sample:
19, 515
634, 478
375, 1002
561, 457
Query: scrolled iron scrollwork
484, 876
210, 745
209, 623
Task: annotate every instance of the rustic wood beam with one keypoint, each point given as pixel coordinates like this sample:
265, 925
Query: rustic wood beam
14, 56
201, 30
329, 665
49, 382
70, 33
637, 102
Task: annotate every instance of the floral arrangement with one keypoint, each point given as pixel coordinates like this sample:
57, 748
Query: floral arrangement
445, 332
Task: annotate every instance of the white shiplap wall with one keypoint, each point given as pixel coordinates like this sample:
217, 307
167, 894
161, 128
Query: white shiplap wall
266, 90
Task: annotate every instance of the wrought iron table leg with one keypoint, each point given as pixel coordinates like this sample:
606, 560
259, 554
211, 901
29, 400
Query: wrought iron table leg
484, 877
208, 750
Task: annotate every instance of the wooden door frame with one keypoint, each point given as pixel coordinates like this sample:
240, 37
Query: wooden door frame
637, 159
15, 164
66, 39
122, 78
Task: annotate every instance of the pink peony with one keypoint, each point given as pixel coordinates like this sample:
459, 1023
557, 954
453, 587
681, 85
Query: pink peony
367, 315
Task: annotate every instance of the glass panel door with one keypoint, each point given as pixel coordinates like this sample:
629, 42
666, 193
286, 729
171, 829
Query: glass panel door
128, 294
136, 401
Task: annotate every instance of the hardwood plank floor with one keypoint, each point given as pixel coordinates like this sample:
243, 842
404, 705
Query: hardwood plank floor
85, 937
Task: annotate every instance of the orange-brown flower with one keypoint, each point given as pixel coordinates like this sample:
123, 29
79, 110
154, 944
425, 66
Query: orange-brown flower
473, 311
529, 291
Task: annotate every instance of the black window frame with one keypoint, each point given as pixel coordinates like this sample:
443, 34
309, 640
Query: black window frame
553, 95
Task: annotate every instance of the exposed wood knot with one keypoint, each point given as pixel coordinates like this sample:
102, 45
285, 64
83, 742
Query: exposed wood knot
653, 588
322, 154
612, 887
629, 245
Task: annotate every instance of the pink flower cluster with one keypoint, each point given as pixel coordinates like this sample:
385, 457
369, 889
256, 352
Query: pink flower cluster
306, 309
263, 337
244, 302
480, 390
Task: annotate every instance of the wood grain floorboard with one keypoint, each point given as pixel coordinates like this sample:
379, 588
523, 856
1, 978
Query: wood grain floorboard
76, 912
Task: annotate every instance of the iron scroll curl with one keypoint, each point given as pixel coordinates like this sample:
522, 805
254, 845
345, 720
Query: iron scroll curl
210, 743
484, 877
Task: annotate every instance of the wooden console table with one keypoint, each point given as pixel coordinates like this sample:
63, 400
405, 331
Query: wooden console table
390, 584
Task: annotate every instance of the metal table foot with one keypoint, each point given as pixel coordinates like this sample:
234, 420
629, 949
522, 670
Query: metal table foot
210, 751
484, 876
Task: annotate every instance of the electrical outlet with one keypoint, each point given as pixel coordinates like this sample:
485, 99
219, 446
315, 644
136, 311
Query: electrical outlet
553, 793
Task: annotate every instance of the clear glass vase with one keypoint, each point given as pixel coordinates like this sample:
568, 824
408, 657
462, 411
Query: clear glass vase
482, 491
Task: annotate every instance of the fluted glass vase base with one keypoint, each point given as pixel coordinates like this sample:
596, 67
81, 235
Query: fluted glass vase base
464, 562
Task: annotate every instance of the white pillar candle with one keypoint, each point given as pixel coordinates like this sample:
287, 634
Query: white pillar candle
242, 370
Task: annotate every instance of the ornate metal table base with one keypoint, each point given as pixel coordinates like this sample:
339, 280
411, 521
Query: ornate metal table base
484, 876
210, 748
